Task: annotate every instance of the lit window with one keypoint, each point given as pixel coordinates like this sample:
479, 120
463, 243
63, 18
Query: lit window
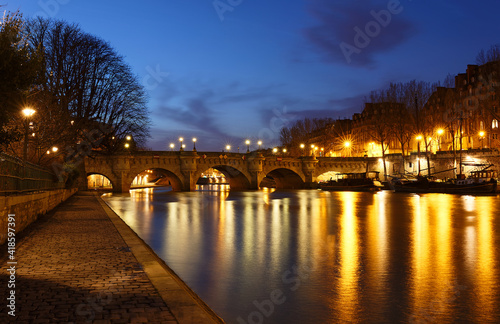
494, 124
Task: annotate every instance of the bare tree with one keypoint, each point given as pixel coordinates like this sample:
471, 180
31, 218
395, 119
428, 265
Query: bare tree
87, 87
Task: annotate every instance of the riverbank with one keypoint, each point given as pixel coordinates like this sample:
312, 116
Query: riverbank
81, 263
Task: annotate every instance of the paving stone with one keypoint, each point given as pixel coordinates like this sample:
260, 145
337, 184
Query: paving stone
74, 267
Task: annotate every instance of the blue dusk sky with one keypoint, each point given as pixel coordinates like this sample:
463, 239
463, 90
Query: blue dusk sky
227, 70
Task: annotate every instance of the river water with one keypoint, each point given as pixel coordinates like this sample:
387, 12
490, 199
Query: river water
308, 256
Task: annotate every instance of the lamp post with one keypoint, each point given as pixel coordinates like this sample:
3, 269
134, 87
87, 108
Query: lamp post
172, 146
302, 149
181, 140
481, 136
419, 138
228, 148
27, 112
439, 132
312, 149
259, 143
275, 150
194, 143
247, 142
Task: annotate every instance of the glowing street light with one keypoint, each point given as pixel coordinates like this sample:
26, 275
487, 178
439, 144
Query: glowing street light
55, 149
439, 132
128, 138
194, 143
302, 146
275, 150
284, 150
347, 144
481, 136
247, 142
419, 138
228, 148
127, 145
27, 112
259, 143
172, 146
181, 140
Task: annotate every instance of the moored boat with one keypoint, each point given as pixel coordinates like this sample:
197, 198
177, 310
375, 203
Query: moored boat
479, 182
360, 181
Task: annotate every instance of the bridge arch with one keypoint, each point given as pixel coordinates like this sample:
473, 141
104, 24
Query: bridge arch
237, 179
172, 177
285, 178
96, 183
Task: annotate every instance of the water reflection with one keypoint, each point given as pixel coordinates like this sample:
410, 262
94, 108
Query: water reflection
331, 256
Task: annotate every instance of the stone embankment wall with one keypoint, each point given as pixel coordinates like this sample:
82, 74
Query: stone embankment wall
28, 207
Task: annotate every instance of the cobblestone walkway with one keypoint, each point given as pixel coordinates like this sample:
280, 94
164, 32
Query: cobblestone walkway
74, 267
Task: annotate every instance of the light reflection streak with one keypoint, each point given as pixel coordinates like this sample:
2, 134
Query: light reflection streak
377, 253
485, 276
421, 291
348, 292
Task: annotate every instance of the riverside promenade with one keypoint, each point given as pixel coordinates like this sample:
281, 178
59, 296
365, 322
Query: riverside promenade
81, 264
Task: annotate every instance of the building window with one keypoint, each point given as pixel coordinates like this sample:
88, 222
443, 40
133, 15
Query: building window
494, 124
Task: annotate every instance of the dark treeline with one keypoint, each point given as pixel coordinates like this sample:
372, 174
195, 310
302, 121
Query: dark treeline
82, 91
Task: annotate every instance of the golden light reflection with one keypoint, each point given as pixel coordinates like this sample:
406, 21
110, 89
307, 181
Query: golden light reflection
421, 290
378, 251
485, 276
442, 277
348, 290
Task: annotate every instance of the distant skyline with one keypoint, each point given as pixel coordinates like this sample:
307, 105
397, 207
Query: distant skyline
227, 70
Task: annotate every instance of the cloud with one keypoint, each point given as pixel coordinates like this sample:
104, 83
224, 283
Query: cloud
354, 32
217, 114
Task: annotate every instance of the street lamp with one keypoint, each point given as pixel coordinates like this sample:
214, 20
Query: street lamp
172, 146
182, 147
302, 149
259, 143
481, 136
228, 148
439, 132
247, 142
275, 150
194, 143
27, 112
128, 138
419, 138
284, 150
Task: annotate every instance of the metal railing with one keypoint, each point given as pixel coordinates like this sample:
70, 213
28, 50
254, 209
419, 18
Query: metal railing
17, 176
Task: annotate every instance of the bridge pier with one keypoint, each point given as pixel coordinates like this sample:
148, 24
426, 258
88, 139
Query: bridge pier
188, 160
308, 167
255, 162
121, 182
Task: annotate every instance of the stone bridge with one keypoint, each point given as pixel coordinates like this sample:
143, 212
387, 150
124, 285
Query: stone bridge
243, 171
246, 171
